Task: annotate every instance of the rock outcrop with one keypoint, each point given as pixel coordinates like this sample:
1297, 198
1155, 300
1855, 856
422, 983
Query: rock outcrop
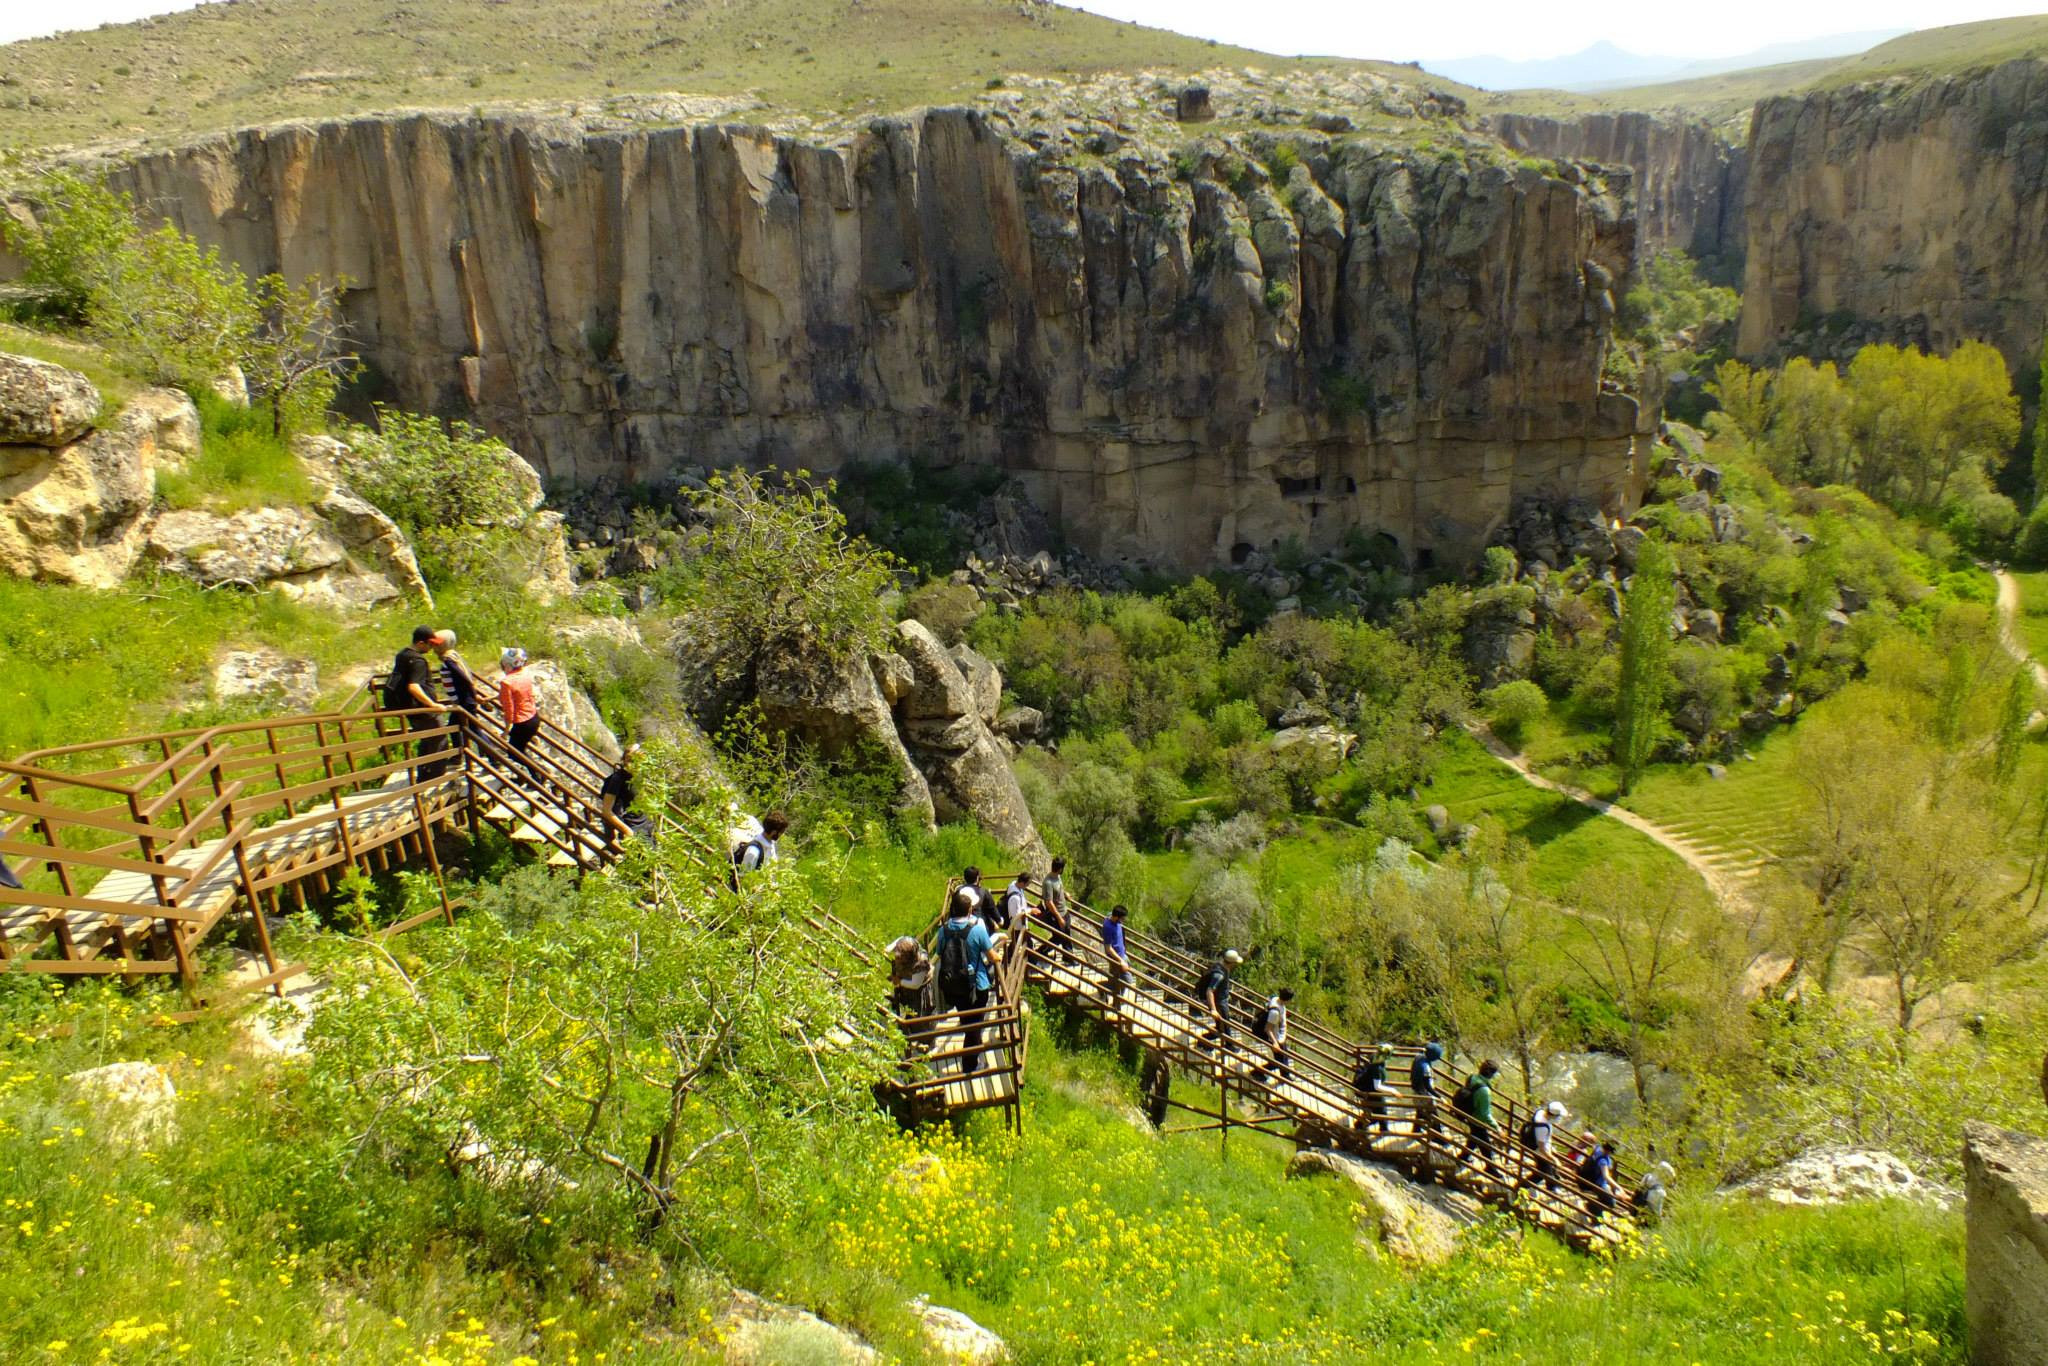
1189, 354
1413, 1222
1829, 1176
135, 1102
2005, 1283
266, 675
1688, 177
1912, 210
341, 553
75, 500
947, 720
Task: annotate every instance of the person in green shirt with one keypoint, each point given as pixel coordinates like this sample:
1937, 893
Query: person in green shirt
1474, 1101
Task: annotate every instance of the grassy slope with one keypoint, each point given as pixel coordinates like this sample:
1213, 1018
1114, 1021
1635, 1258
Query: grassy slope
1088, 1239
228, 65
2033, 614
1934, 51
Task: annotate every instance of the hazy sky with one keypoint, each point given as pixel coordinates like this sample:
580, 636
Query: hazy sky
1396, 30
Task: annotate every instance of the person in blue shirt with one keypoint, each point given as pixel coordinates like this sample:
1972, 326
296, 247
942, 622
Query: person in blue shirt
962, 948
1119, 957
1422, 1081
1596, 1170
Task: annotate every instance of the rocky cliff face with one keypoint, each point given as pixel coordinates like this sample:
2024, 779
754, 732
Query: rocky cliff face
1181, 358
1688, 178
2006, 1284
1906, 211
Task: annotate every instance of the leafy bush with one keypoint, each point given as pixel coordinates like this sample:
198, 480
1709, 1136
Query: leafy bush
1514, 705
453, 489
242, 462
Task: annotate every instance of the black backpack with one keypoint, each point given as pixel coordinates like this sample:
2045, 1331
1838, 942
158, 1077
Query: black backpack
1263, 1026
1530, 1136
1465, 1101
956, 962
1589, 1168
395, 697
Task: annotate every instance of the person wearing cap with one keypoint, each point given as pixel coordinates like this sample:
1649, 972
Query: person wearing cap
617, 793
1212, 995
1648, 1201
1271, 1026
1422, 1081
459, 682
410, 688
1539, 1134
516, 700
1369, 1079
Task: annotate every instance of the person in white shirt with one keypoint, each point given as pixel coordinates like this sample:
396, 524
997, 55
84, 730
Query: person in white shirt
1538, 1132
756, 852
1272, 1027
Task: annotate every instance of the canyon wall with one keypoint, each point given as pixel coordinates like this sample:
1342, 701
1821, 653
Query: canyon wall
1181, 358
1912, 210
1688, 178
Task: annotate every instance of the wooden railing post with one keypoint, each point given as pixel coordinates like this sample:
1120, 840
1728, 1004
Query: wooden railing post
35, 794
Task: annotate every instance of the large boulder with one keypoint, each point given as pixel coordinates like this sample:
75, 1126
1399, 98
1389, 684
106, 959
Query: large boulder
955, 1338
563, 703
943, 728
757, 1332
2005, 1285
1414, 1222
76, 513
43, 404
1834, 1175
1329, 745
838, 708
266, 675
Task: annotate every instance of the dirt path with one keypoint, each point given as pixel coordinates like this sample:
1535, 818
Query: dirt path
1729, 886
2009, 627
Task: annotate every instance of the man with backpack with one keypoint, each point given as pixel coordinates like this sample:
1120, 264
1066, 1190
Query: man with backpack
962, 950
1212, 997
1369, 1079
1052, 910
1539, 1134
1422, 1081
1474, 1101
970, 883
757, 851
1012, 906
1596, 1172
1271, 1026
409, 687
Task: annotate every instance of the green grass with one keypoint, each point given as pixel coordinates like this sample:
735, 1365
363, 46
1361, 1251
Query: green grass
116, 385
2032, 622
241, 464
1087, 1239
228, 65
1744, 817
1569, 839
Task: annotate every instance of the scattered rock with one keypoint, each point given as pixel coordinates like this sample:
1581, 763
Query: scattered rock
1191, 104
1717, 772
1021, 725
957, 1338
1414, 1222
1439, 818
267, 674
1833, 1175
135, 1100
758, 1332
1330, 745
77, 513
941, 725
43, 404
563, 703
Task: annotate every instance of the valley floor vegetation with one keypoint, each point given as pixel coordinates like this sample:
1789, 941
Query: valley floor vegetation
563, 1128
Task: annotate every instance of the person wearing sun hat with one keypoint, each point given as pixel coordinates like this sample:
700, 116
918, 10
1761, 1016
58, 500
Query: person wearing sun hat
1212, 997
515, 698
1539, 1131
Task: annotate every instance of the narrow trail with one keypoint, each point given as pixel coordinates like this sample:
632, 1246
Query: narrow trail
2009, 627
1730, 886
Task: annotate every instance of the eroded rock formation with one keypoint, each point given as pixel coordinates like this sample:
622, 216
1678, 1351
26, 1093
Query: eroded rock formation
1181, 358
1912, 210
1688, 178
2006, 1280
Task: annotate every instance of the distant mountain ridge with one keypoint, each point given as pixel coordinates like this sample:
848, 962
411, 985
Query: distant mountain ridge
1605, 66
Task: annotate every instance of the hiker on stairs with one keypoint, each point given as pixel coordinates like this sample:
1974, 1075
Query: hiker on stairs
618, 792
1212, 997
1052, 911
409, 687
7, 877
1596, 1170
1272, 1027
910, 978
1474, 1102
1422, 1081
756, 849
522, 712
459, 682
962, 949
1118, 954
1539, 1136
1370, 1081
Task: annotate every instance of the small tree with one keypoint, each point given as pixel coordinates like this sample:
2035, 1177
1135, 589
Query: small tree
2012, 727
79, 226
449, 487
776, 568
179, 312
1631, 944
1645, 662
299, 354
